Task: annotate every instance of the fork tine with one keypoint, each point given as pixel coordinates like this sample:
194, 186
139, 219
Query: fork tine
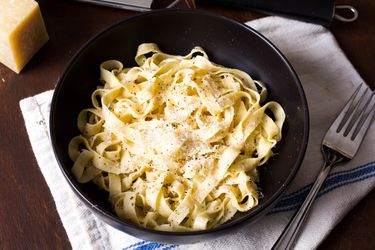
366, 118
357, 111
349, 109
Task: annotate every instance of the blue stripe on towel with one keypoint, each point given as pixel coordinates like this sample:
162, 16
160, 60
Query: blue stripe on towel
148, 245
354, 169
135, 245
292, 200
169, 247
307, 187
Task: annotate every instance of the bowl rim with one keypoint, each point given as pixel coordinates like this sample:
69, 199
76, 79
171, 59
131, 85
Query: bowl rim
242, 221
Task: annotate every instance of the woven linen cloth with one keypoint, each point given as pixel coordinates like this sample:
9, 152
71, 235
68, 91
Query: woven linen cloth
328, 79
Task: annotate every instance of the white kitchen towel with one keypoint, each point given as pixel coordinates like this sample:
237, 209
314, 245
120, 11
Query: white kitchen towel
328, 79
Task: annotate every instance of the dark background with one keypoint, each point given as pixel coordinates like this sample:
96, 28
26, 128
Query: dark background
28, 217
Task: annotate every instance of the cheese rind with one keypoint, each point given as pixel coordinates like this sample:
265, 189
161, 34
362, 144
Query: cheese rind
22, 32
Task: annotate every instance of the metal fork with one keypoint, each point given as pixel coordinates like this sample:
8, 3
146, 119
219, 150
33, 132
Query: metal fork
340, 143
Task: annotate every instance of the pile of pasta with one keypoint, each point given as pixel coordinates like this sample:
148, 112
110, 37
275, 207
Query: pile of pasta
176, 140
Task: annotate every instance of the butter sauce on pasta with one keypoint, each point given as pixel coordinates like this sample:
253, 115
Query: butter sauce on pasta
176, 140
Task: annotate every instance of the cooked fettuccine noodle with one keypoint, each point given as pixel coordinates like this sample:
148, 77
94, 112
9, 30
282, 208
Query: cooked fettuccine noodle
176, 140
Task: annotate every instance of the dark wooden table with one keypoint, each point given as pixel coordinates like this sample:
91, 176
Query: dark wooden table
28, 217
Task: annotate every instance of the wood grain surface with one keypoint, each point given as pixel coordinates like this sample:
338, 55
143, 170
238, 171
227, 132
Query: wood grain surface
28, 217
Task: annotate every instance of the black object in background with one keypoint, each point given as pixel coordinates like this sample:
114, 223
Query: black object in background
315, 11
135, 5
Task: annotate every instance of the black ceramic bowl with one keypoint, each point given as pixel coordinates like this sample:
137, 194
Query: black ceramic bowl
226, 42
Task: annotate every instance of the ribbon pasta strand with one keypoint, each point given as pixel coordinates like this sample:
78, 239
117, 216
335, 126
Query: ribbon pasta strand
176, 140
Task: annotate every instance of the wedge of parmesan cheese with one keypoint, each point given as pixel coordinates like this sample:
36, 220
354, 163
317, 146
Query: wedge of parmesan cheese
22, 32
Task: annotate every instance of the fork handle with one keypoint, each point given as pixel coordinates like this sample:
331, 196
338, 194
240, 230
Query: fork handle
290, 233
